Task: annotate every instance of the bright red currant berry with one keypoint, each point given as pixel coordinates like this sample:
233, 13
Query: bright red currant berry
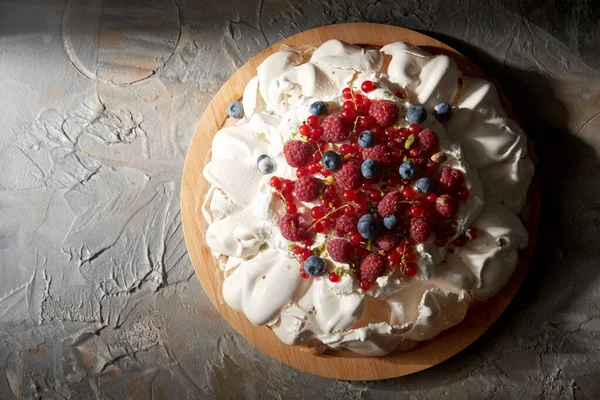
463, 193
287, 186
367, 86
408, 193
345, 149
366, 185
365, 285
317, 212
393, 258
399, 94
349, 210
313, 121
313, 168
431, 197
303, 274
333, 277
355, 238
375, 195
329, 191
348, 195
317, 133
414, 129
355, 146
404, 132
291, 208
316, 157
414, 152
347, 93
359, 98
411, 269
325, 172
318, 228
348, 105
304, 130
348, 114
305, 254
297, 250
416, 211
275, 182
301, 172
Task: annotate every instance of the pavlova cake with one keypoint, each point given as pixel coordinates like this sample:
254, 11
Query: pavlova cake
365, 197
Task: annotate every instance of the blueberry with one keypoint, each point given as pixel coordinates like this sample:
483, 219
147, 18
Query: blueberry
331, 161
368, 226
424, 185
235, 109
314, 266
265, 164
366, 139
390, 222
369, 168
442, 112
416, 115
408, 170
318, 108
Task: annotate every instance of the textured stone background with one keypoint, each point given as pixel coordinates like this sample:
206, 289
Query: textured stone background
98, 102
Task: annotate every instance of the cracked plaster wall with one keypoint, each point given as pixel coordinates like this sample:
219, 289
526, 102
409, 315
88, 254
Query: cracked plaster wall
98, 298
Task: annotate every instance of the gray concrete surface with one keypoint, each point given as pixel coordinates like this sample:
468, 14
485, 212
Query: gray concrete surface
98, 102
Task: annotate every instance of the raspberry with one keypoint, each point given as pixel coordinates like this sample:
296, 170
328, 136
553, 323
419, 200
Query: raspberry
386, 241
293, 227
371, 267
446, 205
420, 229
297, 153
335, 128
427, 140
345, 224
348, 177
450, 178
384, 111
339, 250
390, 204
307, 188
378, 153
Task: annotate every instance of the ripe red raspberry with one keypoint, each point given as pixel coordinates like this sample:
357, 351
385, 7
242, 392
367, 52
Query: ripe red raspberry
345, 224
307, 188
293, 227
384, 111
386, 241
297, 153
390, 204
348, 177
339, 250
451, 178
420, 229
371, 267
378, 153
335, 129
427, 140
446, 205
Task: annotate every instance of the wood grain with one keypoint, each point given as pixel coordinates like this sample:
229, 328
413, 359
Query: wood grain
343, 364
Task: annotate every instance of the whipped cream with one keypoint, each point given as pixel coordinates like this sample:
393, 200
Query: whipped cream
261, 276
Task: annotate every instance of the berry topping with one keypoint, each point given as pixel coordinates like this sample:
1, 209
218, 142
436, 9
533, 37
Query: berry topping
318, 108
335, 128
235, 109
345, 225
314, 266
293, 227
446, 205
386, 241
378, 153
331, 161
371, 268
367, 86
369, 169
348, 177
368, 226
416, 115
427, 140
390, 222
276, 182
420, 229
307, 188
424, 185
407, 170
384, 111
340, 250
442, 112
297, 153
265, 164
451, 178
366, 139
471, 233
333, 277
390, 204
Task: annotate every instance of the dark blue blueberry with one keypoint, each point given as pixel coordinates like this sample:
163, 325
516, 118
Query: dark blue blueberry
318, 108
390, 222
408, 170
442, 112
368, 226
366, 139
424, 185
331, 161
369, 168
416, 115
314, 266
235, 109
265, 164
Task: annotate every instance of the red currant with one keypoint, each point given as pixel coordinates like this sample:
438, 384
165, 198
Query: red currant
431, 197
317, 133
345, 149
408, 193
291, 208
367, 86
313, 121
349, 210
304, 130
375, 195
414, 129
348, 195
416, 211
414, 152
329, 191
355, 238
399, 94
303, 274
393, 258
366, 122
297, 250
333, 277
313, 168
325, 172
355, 146
316, 157
463, 193
365, 285
306, 253
404, 132
411, 269
317, 212
348, 105
366, 185
318, 228
472, 232
301, 172
275, 182
347, 93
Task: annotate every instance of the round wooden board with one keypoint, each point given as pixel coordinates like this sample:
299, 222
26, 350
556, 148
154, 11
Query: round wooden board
341, 364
